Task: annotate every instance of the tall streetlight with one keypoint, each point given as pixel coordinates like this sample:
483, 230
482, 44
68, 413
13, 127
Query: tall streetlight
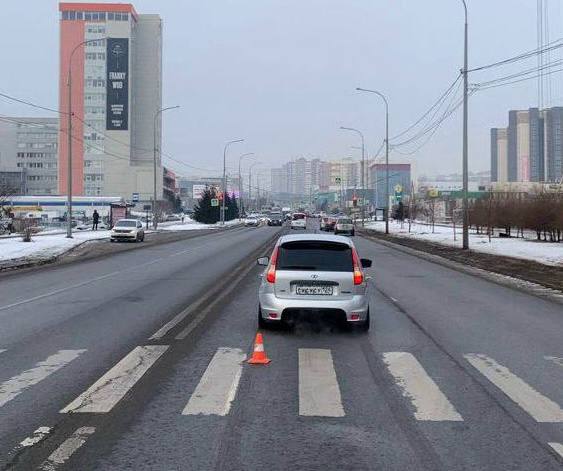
156, 115
225, 177
363, 167
386, 153
247, 155
465, 144
70, 137
250, 180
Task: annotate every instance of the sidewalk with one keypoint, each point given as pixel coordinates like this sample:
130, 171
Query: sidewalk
548, 253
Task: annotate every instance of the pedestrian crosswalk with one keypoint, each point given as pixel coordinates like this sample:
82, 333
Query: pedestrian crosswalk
318, 387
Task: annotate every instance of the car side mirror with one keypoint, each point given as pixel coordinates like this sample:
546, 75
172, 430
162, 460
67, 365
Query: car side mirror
366, 262
263, 261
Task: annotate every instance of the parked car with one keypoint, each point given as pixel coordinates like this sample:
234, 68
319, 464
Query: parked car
128, 229
298, 221
251, 221
344, 226
310, 275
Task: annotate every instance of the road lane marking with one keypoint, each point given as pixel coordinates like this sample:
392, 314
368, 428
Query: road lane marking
36, 437
2, 350
428, 400
556, 360
105, 393
17, 384
558, 447
62, 454
218, 386
541, 408
319, 393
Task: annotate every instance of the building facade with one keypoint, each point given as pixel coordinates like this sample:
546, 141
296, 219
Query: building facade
534, 147
113, 57
30, 145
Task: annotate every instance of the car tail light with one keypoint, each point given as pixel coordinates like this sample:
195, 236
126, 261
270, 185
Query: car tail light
271, 273
358, 274
273, 315
355, 317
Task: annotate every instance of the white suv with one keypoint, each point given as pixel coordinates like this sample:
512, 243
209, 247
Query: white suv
298, 221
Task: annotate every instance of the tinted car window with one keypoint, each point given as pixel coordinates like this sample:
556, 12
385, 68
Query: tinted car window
298, 216
345, 221
315, 255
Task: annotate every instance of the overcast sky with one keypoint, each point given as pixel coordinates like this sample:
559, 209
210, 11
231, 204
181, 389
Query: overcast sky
282, 73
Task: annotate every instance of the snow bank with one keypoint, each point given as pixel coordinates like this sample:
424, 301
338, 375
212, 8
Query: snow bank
528, 248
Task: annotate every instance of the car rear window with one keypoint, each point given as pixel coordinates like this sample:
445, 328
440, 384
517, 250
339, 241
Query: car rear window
298, 216
345, 221
315, 255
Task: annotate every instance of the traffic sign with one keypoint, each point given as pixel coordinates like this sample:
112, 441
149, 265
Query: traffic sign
214, 202
135, 197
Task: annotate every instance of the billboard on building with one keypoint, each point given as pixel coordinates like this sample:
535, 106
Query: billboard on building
117, 85
197, 191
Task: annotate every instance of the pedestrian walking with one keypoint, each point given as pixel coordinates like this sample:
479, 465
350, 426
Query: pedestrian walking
95, 220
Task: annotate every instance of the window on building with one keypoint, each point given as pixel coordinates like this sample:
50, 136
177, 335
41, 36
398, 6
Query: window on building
65, 15
118, 17
124, 17
79, 15
71, 15
87, 16
111, 16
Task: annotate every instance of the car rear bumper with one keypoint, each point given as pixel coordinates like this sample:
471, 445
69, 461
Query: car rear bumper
123, 236
355, 309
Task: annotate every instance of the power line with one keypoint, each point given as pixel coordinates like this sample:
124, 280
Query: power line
34, 105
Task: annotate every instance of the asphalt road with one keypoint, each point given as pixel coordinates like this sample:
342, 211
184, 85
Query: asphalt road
456, 373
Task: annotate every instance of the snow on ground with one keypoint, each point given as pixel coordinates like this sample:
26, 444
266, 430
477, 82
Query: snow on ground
45, 246
191, 225
548, 253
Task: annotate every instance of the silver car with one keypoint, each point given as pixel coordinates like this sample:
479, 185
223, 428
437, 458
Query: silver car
344, 226
310, 275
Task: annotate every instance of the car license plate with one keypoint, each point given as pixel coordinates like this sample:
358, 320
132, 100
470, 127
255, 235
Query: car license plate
314, 290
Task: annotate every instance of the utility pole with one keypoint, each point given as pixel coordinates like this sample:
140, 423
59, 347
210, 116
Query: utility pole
465, 140
222, 216
240, 186
154, 157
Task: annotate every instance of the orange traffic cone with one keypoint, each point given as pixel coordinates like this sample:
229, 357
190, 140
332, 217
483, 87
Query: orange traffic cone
259, 355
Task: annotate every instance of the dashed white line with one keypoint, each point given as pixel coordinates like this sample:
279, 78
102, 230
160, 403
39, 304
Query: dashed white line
2, 350
319, 393
558, 447
541, 408
17, 384
428, 400
556, 360
218, 386
36, 437
105, 393
62, 454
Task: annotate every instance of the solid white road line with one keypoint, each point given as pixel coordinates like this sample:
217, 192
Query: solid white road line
319, 394
17, 384
61, 455
558, 447
556, 360
2, 350
218, 386
541, 408
105, 393
429, 402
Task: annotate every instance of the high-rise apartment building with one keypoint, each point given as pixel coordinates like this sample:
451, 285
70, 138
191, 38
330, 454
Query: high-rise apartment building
534, 147
114, 56
30, 145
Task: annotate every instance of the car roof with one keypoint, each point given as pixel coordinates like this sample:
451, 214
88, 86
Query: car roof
315, 237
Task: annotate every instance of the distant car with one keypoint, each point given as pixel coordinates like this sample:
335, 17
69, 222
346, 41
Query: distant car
251, 221
344, 226
275, 219
310, 275
298, 221
128, 229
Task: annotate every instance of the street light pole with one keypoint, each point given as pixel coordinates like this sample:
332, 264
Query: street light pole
240, 189
465, 140
386, 153
156, 115
250, 180
69, 137
222, 215
363, 169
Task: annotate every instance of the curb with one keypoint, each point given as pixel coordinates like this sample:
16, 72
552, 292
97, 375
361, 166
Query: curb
529, 287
